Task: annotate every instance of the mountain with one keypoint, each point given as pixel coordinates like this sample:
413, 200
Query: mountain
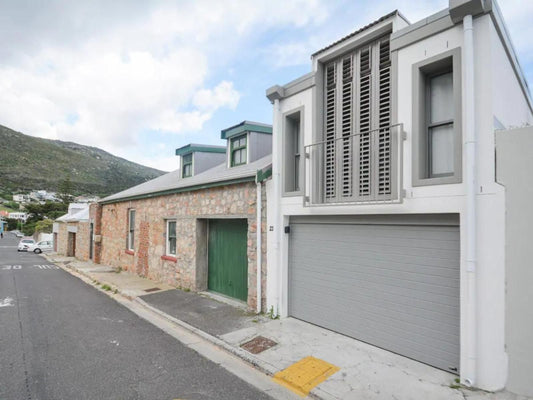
30, 163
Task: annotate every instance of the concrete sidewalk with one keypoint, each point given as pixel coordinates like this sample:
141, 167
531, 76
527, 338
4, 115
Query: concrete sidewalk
360, 371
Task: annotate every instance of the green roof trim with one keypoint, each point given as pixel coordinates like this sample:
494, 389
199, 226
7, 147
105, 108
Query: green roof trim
180, 190
263, 174
245, 126
193, 148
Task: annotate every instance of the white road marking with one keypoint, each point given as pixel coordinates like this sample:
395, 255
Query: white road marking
11, 267
7, 302
115, 342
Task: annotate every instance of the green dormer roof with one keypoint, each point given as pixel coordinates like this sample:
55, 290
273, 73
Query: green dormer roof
245, 126
200, 148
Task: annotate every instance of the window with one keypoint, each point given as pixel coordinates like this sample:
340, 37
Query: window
171, 238
293, 148
439, 97
437, 110
186, 166
131, 229
238, 150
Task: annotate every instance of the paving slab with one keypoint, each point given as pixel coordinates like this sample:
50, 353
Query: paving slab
209, 315
366, 372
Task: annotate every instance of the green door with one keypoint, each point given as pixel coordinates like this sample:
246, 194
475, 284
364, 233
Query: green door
227, 257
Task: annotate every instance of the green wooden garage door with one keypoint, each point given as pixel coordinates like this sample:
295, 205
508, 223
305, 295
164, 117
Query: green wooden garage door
227, 257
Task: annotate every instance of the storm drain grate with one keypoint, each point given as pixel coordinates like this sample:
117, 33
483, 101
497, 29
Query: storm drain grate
154, 289
258, 345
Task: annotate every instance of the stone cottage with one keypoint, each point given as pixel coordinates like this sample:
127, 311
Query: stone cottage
72, 232
197, 227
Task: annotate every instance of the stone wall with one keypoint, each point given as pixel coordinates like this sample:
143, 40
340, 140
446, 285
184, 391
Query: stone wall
82, 241
191, 210
95, 216
62, 239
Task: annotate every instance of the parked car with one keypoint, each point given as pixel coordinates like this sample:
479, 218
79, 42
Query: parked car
42, 246
25, 243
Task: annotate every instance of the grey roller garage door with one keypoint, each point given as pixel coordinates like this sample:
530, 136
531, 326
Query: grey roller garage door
394, 285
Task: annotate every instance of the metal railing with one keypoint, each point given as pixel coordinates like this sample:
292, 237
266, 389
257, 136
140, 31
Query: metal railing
361, 168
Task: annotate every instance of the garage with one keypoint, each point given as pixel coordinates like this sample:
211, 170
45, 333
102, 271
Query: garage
227, 257
390, 281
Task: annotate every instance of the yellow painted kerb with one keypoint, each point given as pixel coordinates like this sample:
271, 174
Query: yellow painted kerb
304, 375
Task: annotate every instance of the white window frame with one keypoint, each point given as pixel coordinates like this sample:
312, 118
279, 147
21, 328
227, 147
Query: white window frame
167, 238
131, 230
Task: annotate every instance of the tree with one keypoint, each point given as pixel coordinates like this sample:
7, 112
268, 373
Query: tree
65, 190
11, 224
44, 226
12, 204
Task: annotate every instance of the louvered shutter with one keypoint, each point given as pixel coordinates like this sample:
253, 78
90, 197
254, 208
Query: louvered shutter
330, 118
365, 122
357, 101
347, 127
384, 156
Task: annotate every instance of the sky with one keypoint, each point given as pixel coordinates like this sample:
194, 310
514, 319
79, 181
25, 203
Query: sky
142, 78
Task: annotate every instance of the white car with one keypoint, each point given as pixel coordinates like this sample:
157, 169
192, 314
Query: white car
44, 245
25, 243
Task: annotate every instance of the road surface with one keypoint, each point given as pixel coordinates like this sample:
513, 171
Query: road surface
63, 339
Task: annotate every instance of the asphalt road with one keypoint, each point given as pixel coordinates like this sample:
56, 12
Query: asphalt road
63, 339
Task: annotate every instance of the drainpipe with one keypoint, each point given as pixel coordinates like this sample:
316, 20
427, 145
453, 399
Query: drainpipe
259, 249
276, 178
470, 372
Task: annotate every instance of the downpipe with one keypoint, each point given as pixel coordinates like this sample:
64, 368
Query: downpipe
259, 247
469, 374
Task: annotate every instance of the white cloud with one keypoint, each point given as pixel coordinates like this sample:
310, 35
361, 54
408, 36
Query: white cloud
104, 79
223, 95
103, 85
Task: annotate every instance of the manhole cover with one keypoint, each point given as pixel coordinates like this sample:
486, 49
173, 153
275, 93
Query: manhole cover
258, 345
154, 289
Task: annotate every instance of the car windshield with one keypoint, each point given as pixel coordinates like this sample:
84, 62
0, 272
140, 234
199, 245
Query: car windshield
27, 241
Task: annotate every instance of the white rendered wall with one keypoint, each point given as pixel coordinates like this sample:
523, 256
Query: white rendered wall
492, 359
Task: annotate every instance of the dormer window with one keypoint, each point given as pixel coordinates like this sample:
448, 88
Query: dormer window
186, 165
238, 150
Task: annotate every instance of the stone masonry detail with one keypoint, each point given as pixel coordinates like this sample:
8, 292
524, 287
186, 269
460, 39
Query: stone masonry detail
187, 208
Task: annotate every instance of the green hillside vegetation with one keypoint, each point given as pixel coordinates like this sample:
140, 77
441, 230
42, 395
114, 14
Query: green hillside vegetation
30, 163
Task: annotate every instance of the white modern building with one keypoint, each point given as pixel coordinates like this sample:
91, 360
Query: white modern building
21, 216
21, 198
391, 225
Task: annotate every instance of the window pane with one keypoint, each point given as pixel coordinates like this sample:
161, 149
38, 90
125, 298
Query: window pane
442, 153
172, 229
172, 246
441, 98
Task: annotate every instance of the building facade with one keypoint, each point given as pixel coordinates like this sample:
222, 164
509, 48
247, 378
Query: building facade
388, 224
72, 233
201, 227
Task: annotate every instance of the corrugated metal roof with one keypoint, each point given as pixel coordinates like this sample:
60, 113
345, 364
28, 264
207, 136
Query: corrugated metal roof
172, 181
391, 14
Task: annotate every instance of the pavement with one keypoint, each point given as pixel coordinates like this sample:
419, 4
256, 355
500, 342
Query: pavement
309, 360
61, 338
